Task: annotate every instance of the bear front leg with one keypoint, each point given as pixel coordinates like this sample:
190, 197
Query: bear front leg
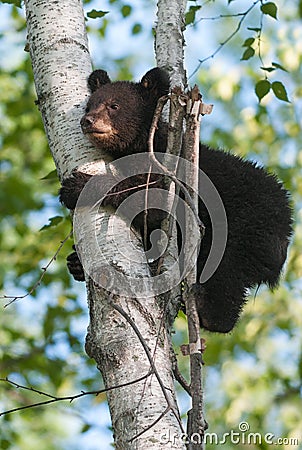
72, 188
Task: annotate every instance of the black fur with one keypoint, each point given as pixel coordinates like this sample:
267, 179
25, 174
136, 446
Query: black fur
259, 228
118, 119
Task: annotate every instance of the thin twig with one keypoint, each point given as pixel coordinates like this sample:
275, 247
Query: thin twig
174, 146
152, 424
132, 188
153, 359
146, 208
177, 374
160, 105
259, 40
54, 399
196, 424
44, 269
222, 44
152, 365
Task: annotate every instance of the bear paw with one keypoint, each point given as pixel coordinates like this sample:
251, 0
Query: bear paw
75, 267
72, 188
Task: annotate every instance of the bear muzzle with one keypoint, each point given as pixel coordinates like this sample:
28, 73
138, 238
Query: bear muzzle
92, 124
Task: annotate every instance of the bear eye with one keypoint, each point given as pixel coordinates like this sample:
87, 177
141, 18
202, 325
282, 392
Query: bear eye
114, 106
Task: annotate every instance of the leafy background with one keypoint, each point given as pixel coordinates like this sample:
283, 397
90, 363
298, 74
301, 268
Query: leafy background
252, 375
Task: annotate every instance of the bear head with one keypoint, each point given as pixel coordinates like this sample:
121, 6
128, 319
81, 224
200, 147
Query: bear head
118, 115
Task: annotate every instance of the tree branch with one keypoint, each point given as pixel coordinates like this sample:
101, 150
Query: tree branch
161, 102
38, 282
152, 367
243, 16
55, 399
196, 422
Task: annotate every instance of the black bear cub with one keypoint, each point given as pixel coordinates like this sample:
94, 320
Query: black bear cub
118, 119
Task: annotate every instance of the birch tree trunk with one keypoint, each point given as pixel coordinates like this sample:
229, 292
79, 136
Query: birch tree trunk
169, 42
144, 414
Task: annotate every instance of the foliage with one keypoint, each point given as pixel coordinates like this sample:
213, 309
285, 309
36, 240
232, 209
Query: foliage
13, 2
254, 374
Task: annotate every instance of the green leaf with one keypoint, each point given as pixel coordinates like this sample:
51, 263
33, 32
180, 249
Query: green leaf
270, 8
94, 14
191, 14
273, 67
248, 42
254, 29
249, 53
280, 91
126, 10
4, 443
137, 28
12, 2
262, 88
53, 175
54, 221
189, 17
278, 66
85, 428
268, 69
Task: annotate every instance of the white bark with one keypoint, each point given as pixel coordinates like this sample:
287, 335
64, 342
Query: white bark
61, 64
60, 57
169, 42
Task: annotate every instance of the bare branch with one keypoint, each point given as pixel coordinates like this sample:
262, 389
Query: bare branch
161, 102
152, 424
70, 398
177, 374
37, 284
145, 240
196, 422
243, 16
152, 367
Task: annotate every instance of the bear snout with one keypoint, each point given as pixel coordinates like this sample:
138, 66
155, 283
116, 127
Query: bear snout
87, 123
92, 124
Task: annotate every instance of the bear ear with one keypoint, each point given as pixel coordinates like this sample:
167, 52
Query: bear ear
97, 79
157, 82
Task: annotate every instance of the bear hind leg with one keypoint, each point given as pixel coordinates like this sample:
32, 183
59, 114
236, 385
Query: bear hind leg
218, 310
